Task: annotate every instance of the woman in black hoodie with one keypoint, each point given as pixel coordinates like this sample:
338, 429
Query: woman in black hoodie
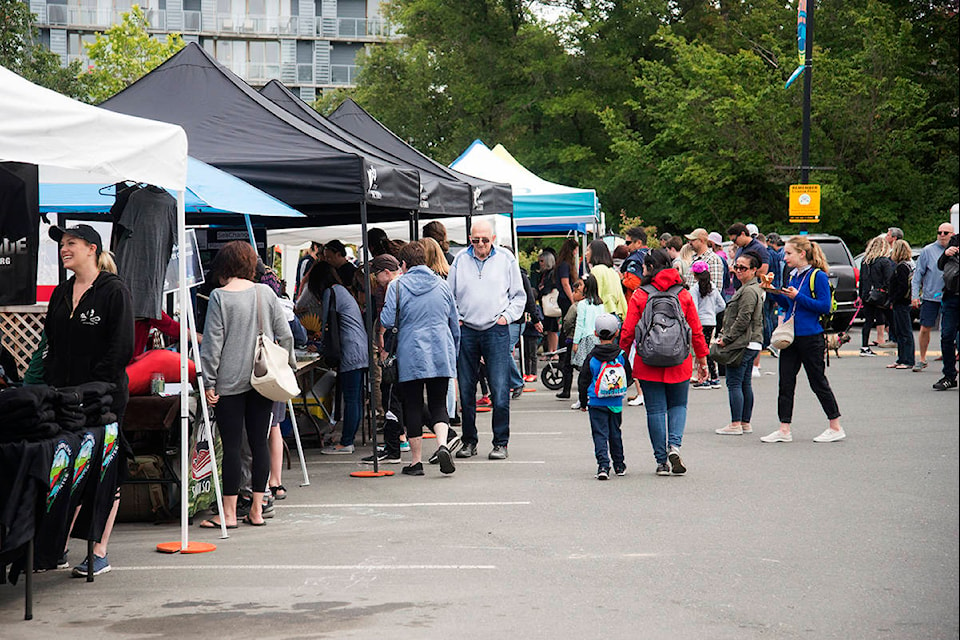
89, 330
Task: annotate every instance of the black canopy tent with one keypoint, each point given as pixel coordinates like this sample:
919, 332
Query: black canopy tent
232, 127
488, 197
439, 194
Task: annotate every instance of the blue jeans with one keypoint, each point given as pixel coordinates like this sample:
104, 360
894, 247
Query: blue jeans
740, 387
493, 345
666, 414
903, 330
351, 386
949, 333
605, 426
516, 380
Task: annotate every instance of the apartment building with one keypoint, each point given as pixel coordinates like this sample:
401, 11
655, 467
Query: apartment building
309, 45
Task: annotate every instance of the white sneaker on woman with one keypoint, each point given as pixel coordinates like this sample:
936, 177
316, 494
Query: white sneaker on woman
831, 435
778, 436
636, 402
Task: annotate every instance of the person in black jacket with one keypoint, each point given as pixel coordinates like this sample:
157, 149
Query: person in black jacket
89, 330
875, 274
899, 294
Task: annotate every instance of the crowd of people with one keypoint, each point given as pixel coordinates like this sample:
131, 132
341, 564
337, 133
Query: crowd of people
654, 322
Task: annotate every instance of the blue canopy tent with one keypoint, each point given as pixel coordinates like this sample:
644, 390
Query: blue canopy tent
540, 207
209, 190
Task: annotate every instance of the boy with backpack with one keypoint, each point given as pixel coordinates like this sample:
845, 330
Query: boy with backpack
604, 379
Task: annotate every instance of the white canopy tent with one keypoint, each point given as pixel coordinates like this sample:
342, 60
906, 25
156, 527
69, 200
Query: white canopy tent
73, 142
292, 241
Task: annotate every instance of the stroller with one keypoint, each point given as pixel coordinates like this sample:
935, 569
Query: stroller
552, 373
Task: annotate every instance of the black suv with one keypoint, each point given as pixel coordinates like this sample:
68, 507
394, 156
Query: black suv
843, 278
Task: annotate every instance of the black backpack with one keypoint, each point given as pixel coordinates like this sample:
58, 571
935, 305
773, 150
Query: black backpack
663, 334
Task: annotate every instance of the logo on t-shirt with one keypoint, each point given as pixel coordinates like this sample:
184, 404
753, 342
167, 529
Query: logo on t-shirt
90, 318
109, 447
81, 465
59, 472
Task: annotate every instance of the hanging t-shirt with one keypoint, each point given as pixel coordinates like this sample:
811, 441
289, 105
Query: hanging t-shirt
144, 246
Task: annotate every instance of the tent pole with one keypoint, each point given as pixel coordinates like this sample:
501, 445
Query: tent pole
415, 232
469, 228
184, 371
187, 309
368, 314
513, 235
253, 241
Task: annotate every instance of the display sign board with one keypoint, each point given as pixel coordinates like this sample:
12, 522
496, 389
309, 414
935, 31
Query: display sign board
804, 203
171, 281
19, 233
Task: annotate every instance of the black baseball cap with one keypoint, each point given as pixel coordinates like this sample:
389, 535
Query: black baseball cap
83, 231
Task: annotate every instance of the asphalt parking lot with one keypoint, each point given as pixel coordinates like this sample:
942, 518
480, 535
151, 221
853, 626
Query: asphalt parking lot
856, 539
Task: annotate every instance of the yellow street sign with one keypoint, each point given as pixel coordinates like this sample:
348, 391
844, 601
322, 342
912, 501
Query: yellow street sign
804, 203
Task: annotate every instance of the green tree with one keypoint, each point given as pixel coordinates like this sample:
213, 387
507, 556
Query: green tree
124, 53
22, 53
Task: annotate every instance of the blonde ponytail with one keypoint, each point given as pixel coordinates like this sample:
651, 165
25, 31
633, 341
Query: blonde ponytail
105, 262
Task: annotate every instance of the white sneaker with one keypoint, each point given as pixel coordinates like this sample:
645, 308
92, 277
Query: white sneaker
756, 372
729, 430
746, 428
831, 435
636, 402
575, 405
778, 436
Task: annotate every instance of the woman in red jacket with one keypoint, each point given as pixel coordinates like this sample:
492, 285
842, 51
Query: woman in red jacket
665, 389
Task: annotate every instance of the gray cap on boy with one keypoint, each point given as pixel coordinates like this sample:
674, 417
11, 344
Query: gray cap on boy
606, 326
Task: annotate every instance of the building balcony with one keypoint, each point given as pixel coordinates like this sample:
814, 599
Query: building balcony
256, 25
372, 29
344, 74
59, 15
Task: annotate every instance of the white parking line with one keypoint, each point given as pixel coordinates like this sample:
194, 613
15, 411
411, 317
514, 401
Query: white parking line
309, 567
388, 467
399, 505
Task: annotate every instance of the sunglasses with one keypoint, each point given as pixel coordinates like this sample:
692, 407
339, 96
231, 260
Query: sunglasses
944, 233
740, 267
480, 240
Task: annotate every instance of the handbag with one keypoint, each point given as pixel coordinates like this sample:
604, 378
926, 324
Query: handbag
725, 355
389, 367
782, 336
272, 376
551, 304
878, 297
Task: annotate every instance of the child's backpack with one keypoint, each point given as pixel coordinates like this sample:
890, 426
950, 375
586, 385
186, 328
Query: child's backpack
612, 379
663, 335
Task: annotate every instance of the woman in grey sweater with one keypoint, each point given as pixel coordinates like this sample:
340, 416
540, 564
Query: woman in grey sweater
236, 314
742, 329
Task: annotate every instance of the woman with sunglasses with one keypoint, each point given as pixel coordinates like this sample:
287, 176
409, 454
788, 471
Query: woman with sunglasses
742, 329
805, 299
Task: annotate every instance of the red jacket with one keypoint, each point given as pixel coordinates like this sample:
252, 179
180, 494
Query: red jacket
671, 375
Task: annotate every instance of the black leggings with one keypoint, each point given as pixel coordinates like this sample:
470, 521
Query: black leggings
711, 363
411, 393
248, 410
807, 351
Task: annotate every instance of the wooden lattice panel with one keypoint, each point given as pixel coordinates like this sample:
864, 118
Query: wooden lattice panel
21, 330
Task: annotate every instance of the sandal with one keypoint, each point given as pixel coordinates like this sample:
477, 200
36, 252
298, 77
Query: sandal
275, 492
210, 524
893, 365
247, 520
903, 366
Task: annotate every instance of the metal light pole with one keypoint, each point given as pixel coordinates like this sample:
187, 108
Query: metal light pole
807, 88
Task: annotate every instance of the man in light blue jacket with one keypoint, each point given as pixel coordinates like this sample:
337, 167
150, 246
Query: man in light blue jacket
487, 286
928, 288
